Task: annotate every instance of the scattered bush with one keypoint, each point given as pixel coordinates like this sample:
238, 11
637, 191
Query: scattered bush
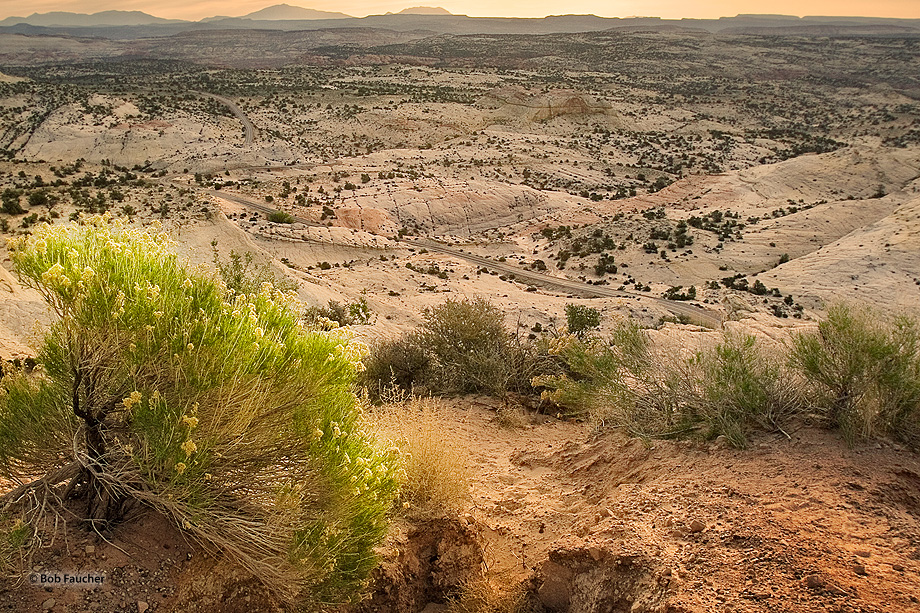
280, 217
242, 275
402, 363
335, 314
461, 347
622, 383
10, 202
468, 343
675, 293
581, 319
739, 388
218, 411
864, 372
602, 374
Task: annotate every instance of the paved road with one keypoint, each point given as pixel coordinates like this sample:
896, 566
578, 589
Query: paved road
249, 130
697, 315
251, 203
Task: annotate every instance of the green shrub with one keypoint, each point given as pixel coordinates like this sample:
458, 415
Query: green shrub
349, 314
14, 536
220, 412
864, 372
461, 347
280, 217
469, 346
243, 276
581, 319
622, 383
606, 379
402, 362
741, 387
359, 312
10, 202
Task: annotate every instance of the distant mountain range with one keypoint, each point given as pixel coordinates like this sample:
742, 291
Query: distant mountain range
281, 12
278, 12
423, 10
126, 25
105, 18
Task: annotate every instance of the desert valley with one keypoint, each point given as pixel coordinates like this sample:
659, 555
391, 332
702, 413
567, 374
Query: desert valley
699, 180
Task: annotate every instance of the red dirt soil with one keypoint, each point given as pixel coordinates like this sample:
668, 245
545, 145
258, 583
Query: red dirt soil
591, 523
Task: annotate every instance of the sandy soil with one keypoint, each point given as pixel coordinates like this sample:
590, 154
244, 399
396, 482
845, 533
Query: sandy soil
590, 523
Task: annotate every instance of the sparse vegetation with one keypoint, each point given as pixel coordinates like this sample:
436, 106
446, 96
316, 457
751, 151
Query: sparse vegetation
863, 371
461, 347
484, 596
432, 465
335, 314
581, 319
280, 217
243, 276
622, 382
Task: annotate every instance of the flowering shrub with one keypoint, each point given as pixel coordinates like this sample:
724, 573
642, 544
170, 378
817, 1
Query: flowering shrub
217, 409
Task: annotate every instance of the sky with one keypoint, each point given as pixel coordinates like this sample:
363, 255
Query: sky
193, 10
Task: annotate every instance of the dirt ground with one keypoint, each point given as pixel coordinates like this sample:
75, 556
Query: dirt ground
584, 522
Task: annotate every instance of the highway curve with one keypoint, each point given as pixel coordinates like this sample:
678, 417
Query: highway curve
251, 203
697, 315
249, 130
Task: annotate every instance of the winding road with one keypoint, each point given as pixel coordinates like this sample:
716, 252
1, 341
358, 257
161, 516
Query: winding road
249, 130
695, 314
250, 203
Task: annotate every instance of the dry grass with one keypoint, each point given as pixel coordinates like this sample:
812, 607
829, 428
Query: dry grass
483, 596
434, 469
511, 417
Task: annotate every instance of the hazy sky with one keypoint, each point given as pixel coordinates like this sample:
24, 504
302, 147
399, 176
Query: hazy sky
191, 9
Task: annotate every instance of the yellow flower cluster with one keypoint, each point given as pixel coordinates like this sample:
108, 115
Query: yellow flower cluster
56, 277
132, 400
354, 353
189, 447
151, 291
561, 343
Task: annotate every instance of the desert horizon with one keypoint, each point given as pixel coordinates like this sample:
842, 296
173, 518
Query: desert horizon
418, 312
898, 9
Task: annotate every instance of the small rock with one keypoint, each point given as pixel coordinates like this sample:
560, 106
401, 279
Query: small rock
860, 570
90, 549
596, 553
897, 568
142, 606
49, 604
697, 526
814, 582
862, 553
